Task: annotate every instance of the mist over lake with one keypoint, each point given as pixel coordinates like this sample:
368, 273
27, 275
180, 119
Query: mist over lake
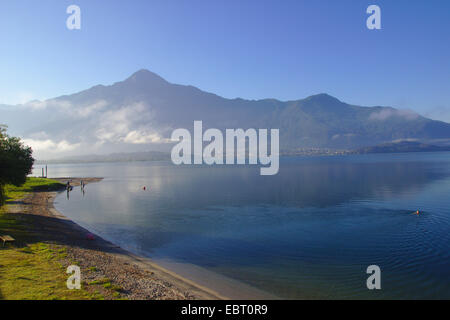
308, 232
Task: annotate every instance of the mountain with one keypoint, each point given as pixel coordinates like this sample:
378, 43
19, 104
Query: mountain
142, 111
113, 157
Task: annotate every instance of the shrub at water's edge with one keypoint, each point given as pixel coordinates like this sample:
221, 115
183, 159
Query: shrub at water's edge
16, 162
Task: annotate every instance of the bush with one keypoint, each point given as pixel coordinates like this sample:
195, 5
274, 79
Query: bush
16, 162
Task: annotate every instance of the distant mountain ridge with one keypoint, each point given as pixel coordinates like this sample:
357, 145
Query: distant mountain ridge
113, 157
142, 111
403, 147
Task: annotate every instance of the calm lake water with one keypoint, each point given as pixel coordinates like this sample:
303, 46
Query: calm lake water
309, 232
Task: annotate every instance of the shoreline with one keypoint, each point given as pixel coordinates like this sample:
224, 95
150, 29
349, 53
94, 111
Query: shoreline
139, 276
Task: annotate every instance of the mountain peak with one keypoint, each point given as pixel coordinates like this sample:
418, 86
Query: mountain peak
144, 75
323, 98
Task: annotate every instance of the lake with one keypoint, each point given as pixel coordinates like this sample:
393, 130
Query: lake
309, 232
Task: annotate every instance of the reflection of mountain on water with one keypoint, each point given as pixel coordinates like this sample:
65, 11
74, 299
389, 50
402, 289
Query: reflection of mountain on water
333, 183
307, 184
304, 182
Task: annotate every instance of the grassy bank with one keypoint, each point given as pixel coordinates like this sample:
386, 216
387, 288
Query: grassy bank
14, 193
30, 269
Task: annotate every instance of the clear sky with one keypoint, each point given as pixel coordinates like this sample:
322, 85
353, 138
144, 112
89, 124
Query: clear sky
249, 48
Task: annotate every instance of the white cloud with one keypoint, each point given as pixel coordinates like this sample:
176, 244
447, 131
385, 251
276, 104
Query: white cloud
142, 137
79, 111
389, 113
39, 105
49, 145
24, 97
36, 105
408, 139
86, 111
96, 127
129, 124
345, 135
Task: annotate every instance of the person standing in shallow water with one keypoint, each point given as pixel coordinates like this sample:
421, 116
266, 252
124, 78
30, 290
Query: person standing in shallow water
68, 188
82, 184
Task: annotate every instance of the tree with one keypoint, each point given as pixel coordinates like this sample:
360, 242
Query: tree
16, 161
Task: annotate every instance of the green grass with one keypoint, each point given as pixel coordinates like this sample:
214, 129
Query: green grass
14, 193
100, 281
33, 273
107, 284
32, 270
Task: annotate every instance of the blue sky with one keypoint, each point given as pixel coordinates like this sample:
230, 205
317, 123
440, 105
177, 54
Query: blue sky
250, 49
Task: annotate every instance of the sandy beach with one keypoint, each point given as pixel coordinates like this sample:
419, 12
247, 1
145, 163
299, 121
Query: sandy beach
139, 278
